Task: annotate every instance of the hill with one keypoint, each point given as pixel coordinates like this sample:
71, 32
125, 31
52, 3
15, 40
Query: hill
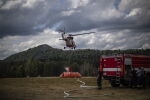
36, 53
44, 60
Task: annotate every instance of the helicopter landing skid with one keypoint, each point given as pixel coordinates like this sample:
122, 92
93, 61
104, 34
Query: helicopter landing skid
70, 48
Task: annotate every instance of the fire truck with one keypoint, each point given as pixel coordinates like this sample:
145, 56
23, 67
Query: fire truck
117, 68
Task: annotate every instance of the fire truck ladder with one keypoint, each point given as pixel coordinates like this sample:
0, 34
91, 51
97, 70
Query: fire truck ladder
117, 77
118, 71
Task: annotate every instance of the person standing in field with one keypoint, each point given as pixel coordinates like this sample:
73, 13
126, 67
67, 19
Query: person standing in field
133, 78
99, 80
141, 77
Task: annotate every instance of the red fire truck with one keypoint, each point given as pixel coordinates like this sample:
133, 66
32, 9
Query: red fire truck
117, 68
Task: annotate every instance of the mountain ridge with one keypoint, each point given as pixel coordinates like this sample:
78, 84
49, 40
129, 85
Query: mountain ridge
46, 52
32, 53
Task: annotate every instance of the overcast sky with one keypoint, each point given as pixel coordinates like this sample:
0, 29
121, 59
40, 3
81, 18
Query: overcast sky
119, 24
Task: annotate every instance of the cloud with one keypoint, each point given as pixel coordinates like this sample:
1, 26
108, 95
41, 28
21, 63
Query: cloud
99, 40
114, 40
13, 44
117, 23
32, 16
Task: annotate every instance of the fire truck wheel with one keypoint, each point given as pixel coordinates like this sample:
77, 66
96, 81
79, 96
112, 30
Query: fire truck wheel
114, 84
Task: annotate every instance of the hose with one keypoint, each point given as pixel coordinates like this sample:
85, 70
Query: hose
85, 86
68, 95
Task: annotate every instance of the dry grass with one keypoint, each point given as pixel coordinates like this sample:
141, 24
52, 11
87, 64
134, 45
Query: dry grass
52, 89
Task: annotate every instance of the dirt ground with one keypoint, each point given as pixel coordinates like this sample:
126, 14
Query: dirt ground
52, 88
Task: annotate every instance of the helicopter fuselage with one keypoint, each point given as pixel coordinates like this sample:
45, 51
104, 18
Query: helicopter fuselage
69, 39
69, 42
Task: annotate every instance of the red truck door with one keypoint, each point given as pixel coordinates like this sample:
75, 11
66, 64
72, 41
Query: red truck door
127, 68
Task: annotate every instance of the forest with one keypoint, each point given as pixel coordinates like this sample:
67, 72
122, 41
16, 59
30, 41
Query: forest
45, 61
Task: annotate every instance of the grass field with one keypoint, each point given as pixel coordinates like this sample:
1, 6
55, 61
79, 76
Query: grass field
53, 89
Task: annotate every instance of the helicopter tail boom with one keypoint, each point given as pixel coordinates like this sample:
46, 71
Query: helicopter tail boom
61, 39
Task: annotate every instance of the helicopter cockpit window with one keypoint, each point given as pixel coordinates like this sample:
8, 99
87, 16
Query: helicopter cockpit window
70, 38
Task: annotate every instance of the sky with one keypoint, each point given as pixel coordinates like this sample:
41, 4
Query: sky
119, 24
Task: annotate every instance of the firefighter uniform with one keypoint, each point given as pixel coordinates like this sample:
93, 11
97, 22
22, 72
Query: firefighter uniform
141, 77
99, 80
134, 78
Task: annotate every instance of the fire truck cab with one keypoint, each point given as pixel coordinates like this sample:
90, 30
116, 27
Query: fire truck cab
117, 68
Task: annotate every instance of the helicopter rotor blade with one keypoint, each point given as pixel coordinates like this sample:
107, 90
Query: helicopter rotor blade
81, 34
62, 35
63, 31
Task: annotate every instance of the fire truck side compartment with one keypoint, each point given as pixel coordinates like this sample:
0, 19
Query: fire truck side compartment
110, 66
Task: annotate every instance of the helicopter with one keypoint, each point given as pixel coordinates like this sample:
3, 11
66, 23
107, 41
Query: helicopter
69, 38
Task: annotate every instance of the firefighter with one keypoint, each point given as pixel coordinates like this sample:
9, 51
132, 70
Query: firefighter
133, 78
141, 77
143, 81
99, 80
